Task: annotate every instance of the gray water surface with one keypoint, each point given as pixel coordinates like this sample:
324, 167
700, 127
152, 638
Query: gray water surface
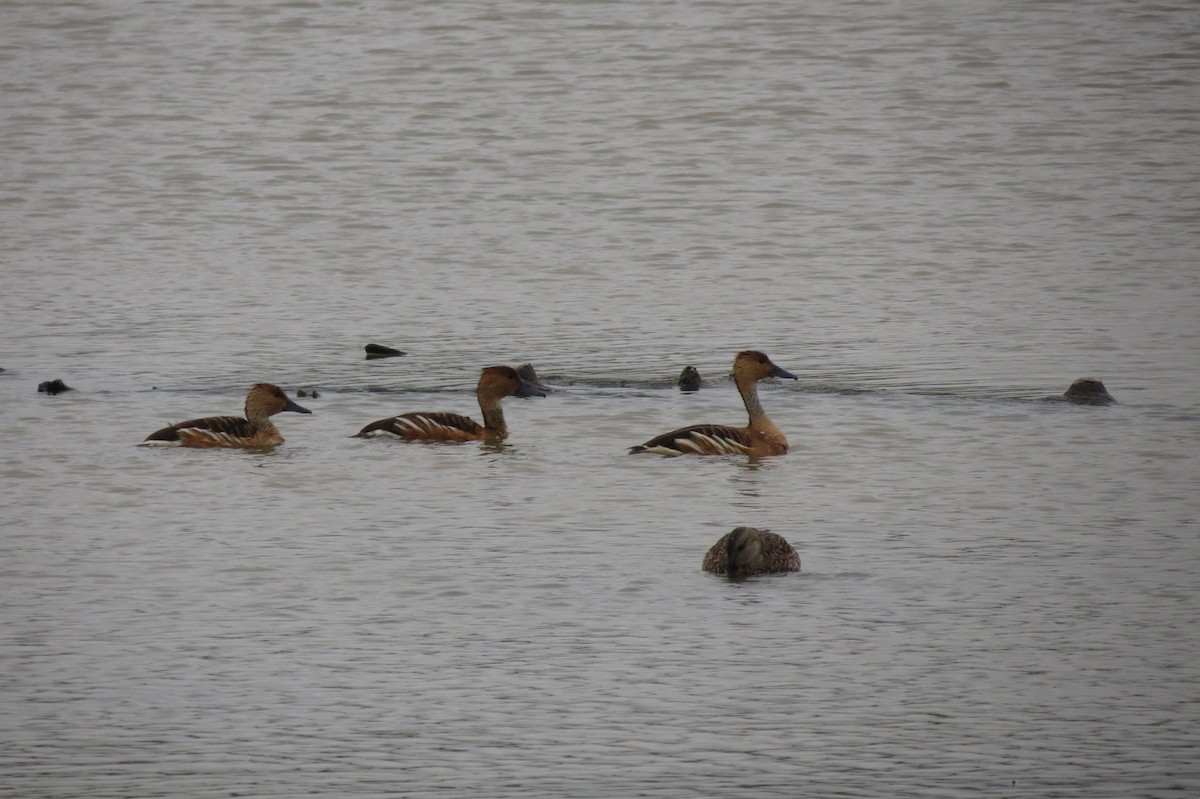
934, 215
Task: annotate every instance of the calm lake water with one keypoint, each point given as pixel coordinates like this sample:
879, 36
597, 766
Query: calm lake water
933, 214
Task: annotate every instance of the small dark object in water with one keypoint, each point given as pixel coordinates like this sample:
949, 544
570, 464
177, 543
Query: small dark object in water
747, 550
380, 351
1088, 391
302, 393
529, 375
689, 379
53, 387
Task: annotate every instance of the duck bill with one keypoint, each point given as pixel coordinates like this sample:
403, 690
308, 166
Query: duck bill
294, 408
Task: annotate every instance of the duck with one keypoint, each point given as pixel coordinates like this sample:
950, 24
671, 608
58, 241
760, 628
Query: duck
530, 375
263, 401
747, 551
382, 351
759, 437
1088, 391
52, 387
495, 383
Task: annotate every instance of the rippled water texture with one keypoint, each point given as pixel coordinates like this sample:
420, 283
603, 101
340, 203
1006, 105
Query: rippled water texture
935, 215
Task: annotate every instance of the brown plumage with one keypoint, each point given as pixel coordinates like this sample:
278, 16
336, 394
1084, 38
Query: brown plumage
747, 550
495, 383
759, 437
256, 430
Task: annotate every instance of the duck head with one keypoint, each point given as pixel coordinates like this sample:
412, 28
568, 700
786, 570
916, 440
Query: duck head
755, 365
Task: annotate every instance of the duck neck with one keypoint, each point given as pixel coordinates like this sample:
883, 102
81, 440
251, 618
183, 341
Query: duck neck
493, 416
748, 388
257, 418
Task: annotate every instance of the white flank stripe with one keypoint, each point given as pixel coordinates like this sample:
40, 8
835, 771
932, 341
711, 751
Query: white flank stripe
706, 444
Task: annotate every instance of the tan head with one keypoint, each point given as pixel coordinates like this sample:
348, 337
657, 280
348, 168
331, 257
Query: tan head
266, 400
755, 365
503, 381
743, 551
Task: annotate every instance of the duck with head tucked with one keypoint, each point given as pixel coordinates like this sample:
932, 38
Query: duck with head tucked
747, 551
759, 437
495, 383
263, 401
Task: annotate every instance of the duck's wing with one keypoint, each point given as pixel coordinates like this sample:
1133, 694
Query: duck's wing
436, 426
220, 430
778, 554
701, 439
716, 560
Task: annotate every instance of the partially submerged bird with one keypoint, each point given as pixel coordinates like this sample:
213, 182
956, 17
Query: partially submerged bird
530, 376
1088, 391
380, 351
759, 437
52, 387
747, 550
495, 383
263, 401
689, 379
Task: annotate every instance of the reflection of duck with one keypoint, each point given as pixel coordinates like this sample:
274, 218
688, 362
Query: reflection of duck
1088, 391
53, 387
759, 437
689, 379
748, 550
495, 383
262, 402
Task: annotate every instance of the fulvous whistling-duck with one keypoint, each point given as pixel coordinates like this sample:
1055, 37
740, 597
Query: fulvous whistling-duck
262, 402
748, 550
495, 383
760, 437
1088, 391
